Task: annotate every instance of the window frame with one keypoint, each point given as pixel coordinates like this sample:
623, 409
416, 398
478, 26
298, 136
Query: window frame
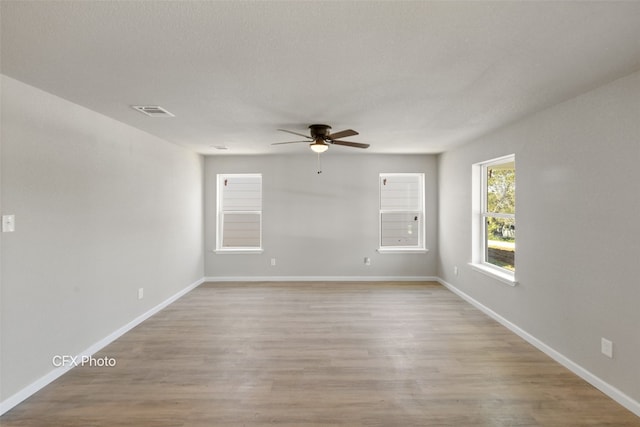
221, 212
480, 215
421, 246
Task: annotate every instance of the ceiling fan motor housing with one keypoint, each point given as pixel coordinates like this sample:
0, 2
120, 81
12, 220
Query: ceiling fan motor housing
319, 131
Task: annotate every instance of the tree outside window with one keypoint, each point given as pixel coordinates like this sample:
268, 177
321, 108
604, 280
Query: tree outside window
499, 214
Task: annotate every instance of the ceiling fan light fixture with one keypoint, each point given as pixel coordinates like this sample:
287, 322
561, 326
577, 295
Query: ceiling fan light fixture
319, 147
319, 138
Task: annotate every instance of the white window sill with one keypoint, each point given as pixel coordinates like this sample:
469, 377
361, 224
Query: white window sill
504, 277
238, 251
402, 251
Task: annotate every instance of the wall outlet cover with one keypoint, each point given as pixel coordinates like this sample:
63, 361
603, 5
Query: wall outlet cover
606, 347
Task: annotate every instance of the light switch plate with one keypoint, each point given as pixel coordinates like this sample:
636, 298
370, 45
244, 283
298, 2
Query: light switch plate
8, 223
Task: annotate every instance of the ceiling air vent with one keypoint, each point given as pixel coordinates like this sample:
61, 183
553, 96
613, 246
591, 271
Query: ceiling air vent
152, 110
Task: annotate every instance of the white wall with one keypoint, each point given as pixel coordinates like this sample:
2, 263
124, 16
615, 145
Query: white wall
578, 228
101, 209
319, 225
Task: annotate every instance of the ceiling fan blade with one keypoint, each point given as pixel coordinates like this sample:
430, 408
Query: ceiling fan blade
288, 142
350, 144
295, 133
342, 134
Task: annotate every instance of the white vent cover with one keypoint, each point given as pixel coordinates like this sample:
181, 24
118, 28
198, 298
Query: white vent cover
152, 110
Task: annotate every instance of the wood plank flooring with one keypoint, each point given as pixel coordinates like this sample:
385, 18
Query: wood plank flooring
320, 354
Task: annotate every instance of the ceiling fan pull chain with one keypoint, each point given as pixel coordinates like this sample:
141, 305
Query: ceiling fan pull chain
319, 165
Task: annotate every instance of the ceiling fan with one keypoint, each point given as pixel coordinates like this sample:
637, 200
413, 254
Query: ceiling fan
320, 138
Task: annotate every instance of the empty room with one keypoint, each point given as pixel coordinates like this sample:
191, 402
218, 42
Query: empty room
320, 213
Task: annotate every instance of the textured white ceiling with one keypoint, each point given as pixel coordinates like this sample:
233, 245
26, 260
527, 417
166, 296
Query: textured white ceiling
411, 77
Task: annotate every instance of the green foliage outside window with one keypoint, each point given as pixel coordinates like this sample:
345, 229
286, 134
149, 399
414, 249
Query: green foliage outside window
501, 199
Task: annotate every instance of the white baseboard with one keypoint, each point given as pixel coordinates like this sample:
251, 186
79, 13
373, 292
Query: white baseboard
321, 279
32, 388
603, 386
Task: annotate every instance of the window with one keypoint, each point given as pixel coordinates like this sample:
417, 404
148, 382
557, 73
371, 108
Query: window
495, 218
402, 212
239, 219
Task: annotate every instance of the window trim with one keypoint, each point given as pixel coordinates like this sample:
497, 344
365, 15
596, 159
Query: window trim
479, 215
402, 250
421, 247
220, 215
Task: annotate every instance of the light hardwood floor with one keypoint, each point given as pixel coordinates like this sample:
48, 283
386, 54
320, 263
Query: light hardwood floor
320, 354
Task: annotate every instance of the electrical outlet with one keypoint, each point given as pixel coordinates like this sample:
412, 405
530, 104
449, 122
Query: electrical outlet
455, 270
606, 347
273, 262
367, 260
140, 293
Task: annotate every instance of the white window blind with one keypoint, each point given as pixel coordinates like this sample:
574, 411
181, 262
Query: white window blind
239, 211
402, 211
